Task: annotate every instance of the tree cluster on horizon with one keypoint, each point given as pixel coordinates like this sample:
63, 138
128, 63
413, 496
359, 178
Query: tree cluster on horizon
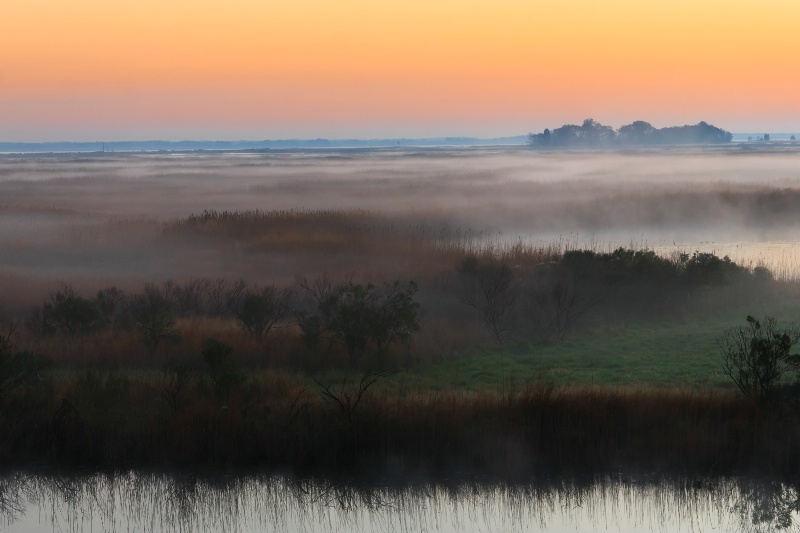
592, 134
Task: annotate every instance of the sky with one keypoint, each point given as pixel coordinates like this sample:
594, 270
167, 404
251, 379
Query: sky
100, 70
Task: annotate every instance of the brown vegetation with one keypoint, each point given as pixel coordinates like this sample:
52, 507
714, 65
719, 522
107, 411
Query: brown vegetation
115, 420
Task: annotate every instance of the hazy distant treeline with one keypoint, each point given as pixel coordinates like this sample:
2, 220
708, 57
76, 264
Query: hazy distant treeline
594, 135
274, 144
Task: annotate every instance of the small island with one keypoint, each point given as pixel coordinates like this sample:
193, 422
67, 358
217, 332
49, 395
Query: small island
592, 134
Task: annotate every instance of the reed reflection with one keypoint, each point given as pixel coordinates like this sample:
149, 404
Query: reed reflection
170, 502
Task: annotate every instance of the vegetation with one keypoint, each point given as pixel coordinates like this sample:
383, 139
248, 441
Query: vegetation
592, 134
443, 350
113, 420
488, 288
758, 357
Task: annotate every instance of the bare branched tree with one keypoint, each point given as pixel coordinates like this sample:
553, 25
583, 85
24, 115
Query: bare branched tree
259, 310
558, 305
348, 398
489, 288
152, 319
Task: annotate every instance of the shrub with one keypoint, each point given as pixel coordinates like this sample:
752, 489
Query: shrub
67, 311
17, 367
489, 289
758, 356
110, 303
259, 310
359, 317
152, 319
224, 372
362, 315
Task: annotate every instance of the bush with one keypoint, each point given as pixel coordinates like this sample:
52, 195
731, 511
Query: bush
18, 367
152, 319
261, 309
69, 312
489, 288
359, 317
362, 315
224, 372
757, 357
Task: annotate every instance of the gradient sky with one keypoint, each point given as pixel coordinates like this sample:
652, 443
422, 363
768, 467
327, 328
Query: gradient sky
246, 69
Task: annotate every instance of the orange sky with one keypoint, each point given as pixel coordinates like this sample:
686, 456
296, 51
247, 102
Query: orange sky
116, 70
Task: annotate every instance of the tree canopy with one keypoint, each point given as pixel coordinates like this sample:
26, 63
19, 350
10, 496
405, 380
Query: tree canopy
592, 134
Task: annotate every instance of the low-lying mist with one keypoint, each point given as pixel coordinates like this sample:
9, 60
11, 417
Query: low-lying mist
94, 220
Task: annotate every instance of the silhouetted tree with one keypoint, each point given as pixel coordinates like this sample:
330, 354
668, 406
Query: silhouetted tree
151, 318
638, 132
261, 309
757, 356
110, 303
592, 134
67, 311
224, 373
357, 315
489, 289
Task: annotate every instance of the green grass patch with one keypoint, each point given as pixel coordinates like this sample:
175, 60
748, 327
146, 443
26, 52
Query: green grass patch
664, 354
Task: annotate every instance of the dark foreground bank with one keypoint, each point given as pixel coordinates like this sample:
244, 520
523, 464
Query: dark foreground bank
110, 421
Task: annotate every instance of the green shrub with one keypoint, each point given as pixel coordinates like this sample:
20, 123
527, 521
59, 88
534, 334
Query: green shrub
758, 356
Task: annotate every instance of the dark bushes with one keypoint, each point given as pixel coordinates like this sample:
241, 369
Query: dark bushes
151, 318
18, 368
258, 310
66, 311
757, 357
585, 288
542, 301
489, 288
359, 317
225, 374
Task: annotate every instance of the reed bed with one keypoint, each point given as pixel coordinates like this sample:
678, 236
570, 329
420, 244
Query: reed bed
116, 420
419, 244
363, 242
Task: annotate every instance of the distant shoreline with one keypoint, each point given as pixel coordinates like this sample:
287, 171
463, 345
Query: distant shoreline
182, 146
169, 148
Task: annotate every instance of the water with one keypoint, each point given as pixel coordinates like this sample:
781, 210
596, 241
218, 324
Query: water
161, 502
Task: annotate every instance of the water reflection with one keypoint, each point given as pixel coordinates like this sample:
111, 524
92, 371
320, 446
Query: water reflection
159, 502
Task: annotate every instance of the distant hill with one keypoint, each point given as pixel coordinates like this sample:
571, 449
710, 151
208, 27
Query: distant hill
592, 134
180, 146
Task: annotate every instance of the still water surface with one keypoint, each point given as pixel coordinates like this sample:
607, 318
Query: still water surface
161, 502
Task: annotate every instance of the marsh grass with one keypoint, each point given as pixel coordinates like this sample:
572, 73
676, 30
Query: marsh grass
363, 242
108, 420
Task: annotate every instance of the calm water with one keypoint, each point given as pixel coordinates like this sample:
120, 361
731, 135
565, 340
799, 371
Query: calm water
158, 502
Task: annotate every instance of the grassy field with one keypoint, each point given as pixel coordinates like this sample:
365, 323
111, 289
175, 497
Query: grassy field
671, 355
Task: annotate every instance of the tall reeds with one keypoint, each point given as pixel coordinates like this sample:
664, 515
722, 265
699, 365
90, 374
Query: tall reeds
111, 420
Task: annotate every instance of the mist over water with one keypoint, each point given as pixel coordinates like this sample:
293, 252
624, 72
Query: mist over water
96, 220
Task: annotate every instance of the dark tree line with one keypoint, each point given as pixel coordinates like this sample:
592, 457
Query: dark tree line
592, 134
360, 322
361, 318
585, 287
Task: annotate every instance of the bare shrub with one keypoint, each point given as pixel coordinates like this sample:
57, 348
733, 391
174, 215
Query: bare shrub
489, 288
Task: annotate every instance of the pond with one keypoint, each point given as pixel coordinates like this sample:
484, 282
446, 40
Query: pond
137, 501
